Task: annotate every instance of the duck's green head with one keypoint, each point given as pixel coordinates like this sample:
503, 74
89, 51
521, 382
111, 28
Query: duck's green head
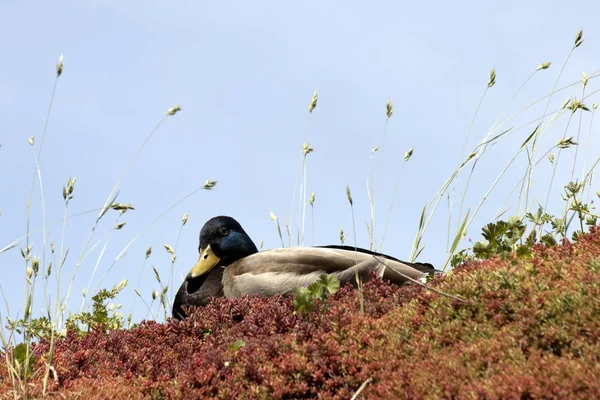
222, 242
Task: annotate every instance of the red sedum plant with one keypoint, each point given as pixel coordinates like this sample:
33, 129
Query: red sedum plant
530, 329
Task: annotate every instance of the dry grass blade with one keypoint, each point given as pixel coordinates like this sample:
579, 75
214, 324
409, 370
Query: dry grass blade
361, 388
421, 283
10, 246
459, 235
535, 131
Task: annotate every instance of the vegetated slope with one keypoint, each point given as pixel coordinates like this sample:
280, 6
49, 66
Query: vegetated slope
530, 329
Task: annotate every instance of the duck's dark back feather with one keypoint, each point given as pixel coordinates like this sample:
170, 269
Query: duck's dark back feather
197, 292
422, 267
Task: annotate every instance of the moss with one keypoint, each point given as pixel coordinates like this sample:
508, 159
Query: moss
530, 329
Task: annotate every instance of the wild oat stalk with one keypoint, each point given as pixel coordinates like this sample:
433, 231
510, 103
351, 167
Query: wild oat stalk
276, 220
208, 185
311, 106
29, 289
479, 150
174, 258
529, 171
543, 66
594, 107
113, 195
407, 157
358, 280
148, 253
311, 201
306, 150
370, 194
146, 304
373, 191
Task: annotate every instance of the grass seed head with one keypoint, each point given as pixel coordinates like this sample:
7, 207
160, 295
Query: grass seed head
272, 216
59, 66
349, 195
169, 249
120, 225
544, 65
342, 237
31, 140
311, 199
35, 265
584, 80
208, 185
148, 251
184, 219
313, 102
122, 285
173, 110
408, 155
121, 208
576, 105
306, 149
579, 38
566, 143
492, 80
595, 105
389, 109
68, 190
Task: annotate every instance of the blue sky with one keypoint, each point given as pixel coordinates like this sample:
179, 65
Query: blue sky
244, 73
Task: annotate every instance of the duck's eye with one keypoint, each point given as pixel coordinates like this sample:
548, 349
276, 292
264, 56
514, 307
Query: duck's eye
224, 231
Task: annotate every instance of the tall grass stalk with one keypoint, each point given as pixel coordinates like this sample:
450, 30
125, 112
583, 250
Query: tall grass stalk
148, 253
112, 197
587, 150
491, 83
306, 150
289, 224
407, 157
208, 185
29, 291
373, 191
529, 170
174, 258
357, 277
478, 151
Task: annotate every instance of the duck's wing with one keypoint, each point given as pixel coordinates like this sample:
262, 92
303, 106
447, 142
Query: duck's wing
423, 267
279, 271
198, 292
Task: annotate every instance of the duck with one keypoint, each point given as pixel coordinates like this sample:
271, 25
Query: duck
230, 265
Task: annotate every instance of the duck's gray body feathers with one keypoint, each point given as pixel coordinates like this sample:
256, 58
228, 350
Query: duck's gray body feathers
279, 271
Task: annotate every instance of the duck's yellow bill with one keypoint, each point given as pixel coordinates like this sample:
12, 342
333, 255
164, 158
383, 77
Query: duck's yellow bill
205, 263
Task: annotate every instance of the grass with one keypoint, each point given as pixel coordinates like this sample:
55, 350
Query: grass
523, 231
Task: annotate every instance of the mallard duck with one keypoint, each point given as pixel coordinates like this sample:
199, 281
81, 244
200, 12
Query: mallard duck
230, 265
